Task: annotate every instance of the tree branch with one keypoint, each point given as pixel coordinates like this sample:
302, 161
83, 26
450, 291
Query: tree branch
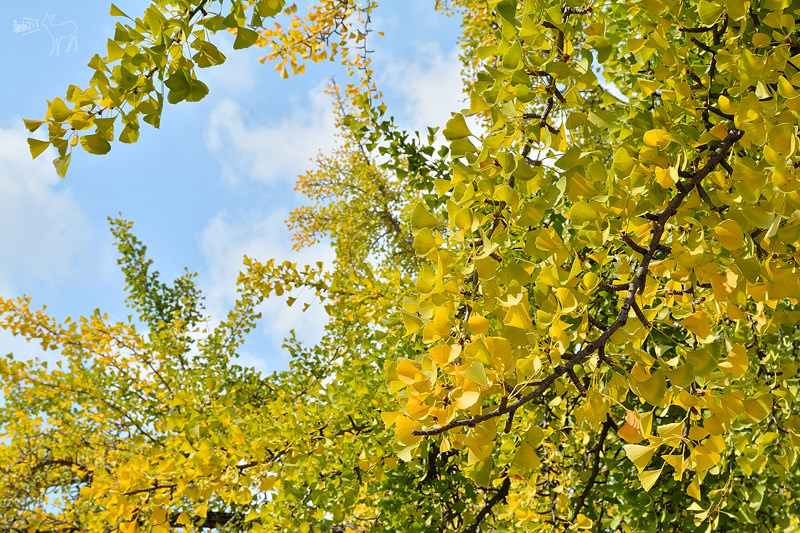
614, 288
598, 447
635, 247
707, 199
640, 315
213, 519
487, 508
638, 281
199, 8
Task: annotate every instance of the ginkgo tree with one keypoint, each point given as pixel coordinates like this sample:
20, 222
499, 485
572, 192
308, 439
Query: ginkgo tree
579, 313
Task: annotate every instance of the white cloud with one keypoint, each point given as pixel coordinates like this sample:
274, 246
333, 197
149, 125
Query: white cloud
271, 152
44, 235
43, 232
429, 85
425, 88
224, 243
237, 75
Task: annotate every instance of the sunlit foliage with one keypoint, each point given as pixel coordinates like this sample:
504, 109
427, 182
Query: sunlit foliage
580, 312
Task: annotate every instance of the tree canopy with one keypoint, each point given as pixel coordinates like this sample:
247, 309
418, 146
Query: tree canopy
579, 312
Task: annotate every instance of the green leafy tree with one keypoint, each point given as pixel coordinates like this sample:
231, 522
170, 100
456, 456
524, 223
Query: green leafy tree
580, 313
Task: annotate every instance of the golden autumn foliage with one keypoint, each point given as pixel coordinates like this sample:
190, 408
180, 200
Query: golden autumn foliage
580, 313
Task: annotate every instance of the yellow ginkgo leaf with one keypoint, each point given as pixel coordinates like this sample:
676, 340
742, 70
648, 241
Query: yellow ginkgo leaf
525, 459
737, 361
639, 455
478, 325
761, 39
403, 428
726, 106
667, 177
729, 234
444, 353
784, 179
477, 374
648, 478
782, 138
654, 388
757, 409
421, 218
697, 323
656, 138
631, 431
693, 489
786, 89
407, 371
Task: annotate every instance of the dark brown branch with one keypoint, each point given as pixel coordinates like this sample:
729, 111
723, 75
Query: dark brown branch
707, 199
664, 248
702, 45
640, 315
552, 129
152, 489
213, 519
509, 422
719, 113
355, 429
687, 426
596, 450
689, 290
596, 323
636, 248
720, 28
700, 29
638, 281
614, 288
548, 108
432, 469
601, 354
576, 10
559, 39
558, 94
682, 186
577, 382
760, 251
487, 508
52, 462
198, 9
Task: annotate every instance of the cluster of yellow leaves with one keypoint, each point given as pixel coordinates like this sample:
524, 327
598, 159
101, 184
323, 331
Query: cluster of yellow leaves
606, 285
551, 235
330, 29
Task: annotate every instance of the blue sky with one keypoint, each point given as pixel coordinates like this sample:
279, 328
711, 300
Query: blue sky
214, 183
